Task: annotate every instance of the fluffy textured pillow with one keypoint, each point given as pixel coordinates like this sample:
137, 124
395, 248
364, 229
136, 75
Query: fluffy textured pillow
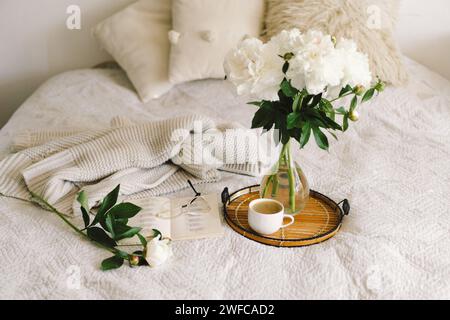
369, 22
137, 39
204, 31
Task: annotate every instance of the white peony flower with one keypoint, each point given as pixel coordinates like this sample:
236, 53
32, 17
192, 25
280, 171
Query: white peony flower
158, 251
255, 69
316, 64
288, 41
356, 64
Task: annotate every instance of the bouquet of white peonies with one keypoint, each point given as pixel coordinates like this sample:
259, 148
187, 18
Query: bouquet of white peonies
297, 79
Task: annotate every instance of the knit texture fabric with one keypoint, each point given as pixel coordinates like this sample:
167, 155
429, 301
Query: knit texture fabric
148, 159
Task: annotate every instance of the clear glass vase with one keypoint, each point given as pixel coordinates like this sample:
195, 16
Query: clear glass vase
286, 183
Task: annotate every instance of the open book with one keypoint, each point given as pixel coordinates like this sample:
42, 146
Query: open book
178, 219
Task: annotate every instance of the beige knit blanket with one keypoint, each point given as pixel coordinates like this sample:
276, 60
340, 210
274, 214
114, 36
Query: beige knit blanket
147, 159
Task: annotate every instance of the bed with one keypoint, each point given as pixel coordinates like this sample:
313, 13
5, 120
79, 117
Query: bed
393, 166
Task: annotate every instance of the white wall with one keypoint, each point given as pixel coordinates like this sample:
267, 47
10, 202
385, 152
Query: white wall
424, 33
35, 43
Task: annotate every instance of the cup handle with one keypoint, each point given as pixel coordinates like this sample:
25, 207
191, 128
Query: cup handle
289, 223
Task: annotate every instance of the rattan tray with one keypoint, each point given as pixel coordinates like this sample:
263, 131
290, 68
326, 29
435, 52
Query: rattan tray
319, 221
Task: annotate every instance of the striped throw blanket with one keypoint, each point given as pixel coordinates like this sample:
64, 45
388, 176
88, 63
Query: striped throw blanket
147, 159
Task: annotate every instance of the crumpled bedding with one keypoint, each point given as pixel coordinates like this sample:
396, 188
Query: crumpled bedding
393, 166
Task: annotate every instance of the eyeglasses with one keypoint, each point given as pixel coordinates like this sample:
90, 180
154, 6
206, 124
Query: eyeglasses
197, 206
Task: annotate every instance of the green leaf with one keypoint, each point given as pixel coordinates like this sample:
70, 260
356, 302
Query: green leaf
138, 253
332, 116
255, 103
99, 218
122, 221
341, 111
112, 263
128, 234
109, 201
306, 134
99, 235
83, 201
122, 254
264, 116
268, 126
142, 239
96, 220
345, 90
86, 218
326, 106
316, 100
306, 101
321, 138
334, 136
124, 210
331, 124
285, 136
295, 134
293, 120
368, 95
109, 223
319, 118
288, 89
298, 101
121, 227
354, 103
345, 122
285, 67
157, 233
316, 122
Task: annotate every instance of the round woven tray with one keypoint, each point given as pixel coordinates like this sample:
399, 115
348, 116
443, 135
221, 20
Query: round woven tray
319, 221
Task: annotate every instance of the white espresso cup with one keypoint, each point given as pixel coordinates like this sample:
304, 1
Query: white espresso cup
266, 216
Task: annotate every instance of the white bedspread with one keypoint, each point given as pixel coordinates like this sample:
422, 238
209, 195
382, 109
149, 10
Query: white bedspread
393, 166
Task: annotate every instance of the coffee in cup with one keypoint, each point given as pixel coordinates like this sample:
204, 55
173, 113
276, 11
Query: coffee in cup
266, 216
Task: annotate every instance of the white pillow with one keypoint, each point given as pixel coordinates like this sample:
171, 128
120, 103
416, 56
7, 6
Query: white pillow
204, 31
137, 39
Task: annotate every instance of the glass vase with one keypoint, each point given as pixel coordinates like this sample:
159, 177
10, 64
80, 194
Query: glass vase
286, 183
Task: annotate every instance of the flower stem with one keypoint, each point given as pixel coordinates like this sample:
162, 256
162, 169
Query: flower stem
275, 185
291, 177
276, 182
42, 201
343, 96
266, 187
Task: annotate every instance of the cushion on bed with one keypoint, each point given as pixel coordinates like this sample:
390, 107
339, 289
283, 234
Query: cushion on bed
204, 31
137, 39
370, 23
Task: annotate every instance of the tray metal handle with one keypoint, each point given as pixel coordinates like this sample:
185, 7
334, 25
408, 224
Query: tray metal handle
225, 196
345, 206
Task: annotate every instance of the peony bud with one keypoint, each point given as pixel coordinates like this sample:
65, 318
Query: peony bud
288, 56
334, 40
134, 260
359, 90
354, 116
380, 86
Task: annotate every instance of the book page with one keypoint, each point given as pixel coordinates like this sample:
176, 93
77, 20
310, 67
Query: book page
178, 219
196, 219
